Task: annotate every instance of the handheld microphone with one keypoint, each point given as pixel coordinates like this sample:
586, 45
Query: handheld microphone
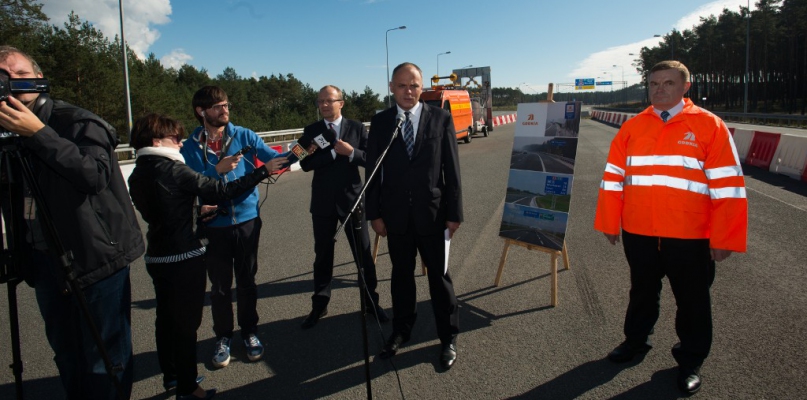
299, 150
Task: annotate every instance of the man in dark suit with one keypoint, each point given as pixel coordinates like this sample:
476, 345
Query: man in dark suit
416, 202
334, 190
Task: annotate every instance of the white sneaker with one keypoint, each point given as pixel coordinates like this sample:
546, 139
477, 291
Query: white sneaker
222, 356
254, 347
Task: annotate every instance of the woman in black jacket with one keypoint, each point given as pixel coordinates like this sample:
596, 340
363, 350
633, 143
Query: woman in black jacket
164, 189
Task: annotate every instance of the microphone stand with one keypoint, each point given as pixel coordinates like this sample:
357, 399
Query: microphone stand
356, 216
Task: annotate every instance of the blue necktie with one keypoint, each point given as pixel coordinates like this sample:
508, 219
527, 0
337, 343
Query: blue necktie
664, 116
409, 135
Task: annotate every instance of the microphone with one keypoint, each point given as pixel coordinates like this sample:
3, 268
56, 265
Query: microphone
399, 120
299, 150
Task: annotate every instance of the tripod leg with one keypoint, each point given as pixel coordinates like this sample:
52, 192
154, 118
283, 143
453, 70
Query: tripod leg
14, 324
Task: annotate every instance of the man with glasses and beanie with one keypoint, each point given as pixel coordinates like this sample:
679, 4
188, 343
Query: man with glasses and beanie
334, 189
72, 154
673, 185
214, 150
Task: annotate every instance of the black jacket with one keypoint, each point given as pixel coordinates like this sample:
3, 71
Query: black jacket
76, 168
337, 181
163, 190
425, 189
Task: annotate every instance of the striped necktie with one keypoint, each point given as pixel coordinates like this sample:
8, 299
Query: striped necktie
665, 115
409, 135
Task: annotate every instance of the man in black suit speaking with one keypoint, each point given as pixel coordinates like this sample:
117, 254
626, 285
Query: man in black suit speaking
334, 189
416, 201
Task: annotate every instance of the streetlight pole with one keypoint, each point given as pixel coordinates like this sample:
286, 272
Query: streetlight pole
747, 41
125, 71
386, 46
438, 61
624, 84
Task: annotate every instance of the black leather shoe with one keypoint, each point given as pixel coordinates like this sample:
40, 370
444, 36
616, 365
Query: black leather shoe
378, 313
393, 344
689, 380
171, 385
313, 318
209, 393
626, 351
448, 356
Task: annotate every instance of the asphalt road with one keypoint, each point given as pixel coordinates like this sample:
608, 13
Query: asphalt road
513, 344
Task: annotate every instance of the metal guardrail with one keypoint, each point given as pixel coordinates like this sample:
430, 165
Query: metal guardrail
126, 153
781, 120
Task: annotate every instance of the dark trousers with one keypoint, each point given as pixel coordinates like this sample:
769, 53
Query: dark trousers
688, 266
324, 231
403, 250
180, 292
81, 368
233, 250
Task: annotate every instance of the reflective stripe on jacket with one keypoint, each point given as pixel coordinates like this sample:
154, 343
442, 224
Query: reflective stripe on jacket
681, 179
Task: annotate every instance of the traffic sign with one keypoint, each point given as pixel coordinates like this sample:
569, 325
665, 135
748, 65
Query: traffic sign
604, 83
584, 83
557, 185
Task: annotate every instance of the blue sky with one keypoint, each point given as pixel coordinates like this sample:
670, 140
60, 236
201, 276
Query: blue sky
526, 43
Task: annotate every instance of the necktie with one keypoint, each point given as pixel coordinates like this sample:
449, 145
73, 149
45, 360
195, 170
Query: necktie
409, 135
335, 133
664, 116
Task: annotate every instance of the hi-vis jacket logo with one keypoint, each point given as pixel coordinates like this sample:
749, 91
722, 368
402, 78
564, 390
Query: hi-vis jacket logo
689, 140
530, 117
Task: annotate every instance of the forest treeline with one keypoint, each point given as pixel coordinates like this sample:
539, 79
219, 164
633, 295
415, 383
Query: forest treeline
84, 68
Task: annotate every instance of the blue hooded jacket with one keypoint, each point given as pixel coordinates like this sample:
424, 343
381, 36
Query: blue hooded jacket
203, 160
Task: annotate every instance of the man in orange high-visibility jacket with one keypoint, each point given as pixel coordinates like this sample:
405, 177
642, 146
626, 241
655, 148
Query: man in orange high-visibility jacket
674, 185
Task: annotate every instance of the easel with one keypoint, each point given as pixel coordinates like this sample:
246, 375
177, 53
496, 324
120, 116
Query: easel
375, 253
553, 291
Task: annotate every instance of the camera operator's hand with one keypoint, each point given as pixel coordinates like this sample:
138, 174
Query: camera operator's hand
17, 118
228, 164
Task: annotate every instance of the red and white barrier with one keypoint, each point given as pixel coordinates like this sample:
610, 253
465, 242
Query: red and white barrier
779, 153
504, 119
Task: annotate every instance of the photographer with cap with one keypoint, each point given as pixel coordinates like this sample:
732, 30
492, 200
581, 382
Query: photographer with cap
72, 153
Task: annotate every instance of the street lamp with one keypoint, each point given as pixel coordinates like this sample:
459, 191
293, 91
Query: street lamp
672, 45
438, 61
386, 46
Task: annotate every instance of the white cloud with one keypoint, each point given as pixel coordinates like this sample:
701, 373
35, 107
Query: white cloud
175, 59
139, 15
596, 64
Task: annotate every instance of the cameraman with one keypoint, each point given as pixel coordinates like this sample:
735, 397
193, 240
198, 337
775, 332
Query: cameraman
72, 152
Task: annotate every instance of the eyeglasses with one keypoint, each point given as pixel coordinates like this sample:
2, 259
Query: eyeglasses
328, 101
218, 107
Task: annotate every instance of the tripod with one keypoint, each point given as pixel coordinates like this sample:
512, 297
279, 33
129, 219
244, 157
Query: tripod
357, 218
15, 171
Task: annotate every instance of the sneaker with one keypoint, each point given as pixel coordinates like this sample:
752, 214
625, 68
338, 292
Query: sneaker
222, 357
254, 347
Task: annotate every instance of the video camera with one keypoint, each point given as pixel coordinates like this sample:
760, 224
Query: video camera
10, 86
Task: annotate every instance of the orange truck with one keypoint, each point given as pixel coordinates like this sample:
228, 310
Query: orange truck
466, 113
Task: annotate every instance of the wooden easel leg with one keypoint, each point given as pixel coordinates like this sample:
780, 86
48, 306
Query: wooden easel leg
554, 289
375, 247
502, 261
565, 254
